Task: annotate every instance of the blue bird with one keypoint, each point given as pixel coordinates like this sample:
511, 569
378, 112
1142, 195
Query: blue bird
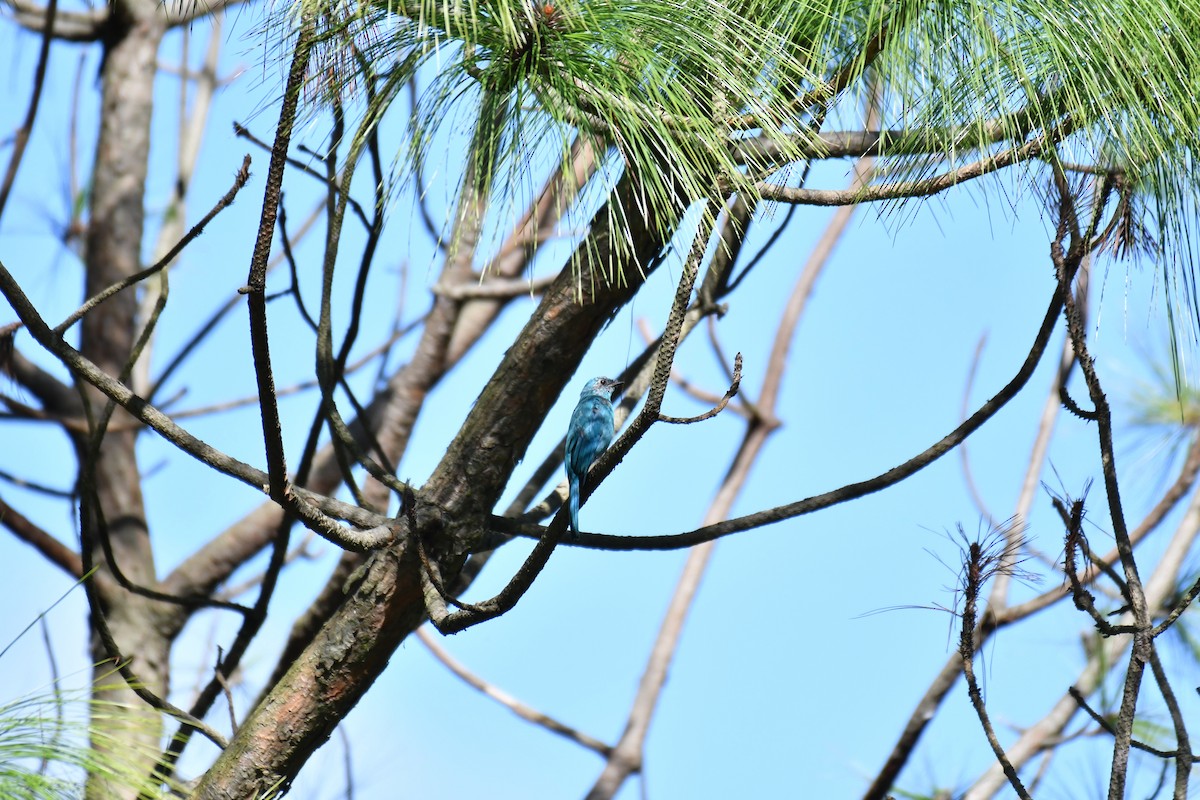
590, 434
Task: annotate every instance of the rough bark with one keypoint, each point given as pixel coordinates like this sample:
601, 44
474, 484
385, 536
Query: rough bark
114, 240
386, 603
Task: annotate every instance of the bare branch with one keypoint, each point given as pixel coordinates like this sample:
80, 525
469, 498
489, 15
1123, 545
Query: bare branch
155, 419
923, 186
21, 138
57, 398
508, 597
123, 664
963, 451
974, 577
720, 406
54, 551
627, 756
332, 185
1103, 654
89, 26
34, 486
834, 497
1073, 520
1184, 757
219, 676
514, 705
494, 288
1107, 725
70, 26
239, 181
1136, 594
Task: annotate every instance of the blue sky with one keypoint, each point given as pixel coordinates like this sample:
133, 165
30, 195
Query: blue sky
787, 682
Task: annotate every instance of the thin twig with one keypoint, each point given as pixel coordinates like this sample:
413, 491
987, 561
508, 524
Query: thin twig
923, 186
1107, 725
58, 696
219, 676
719, 407
1184, 758
243, 132
276, 485
21, 138
1073, 521
1137, 598
132, 679
966, 650
834, 497
537, 559
963, 450
211, 323
347, 762
34, 486
239, 181
514, 705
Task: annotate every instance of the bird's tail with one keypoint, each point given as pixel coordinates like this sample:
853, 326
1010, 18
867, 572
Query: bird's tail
573, 486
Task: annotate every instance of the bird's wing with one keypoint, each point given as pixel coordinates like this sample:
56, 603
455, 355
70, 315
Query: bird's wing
589, 434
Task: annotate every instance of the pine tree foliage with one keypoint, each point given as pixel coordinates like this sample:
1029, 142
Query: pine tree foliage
704, 98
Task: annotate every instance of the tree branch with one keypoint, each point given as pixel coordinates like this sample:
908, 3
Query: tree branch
21, 137
54, 551
974, 577
923, 186
243, 175
514, 705
161, 423
834, 497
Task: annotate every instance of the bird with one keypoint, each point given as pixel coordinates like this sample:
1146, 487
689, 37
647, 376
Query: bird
590, 434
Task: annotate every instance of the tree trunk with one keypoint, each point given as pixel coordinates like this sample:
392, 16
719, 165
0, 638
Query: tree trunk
114, 243
386, 603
